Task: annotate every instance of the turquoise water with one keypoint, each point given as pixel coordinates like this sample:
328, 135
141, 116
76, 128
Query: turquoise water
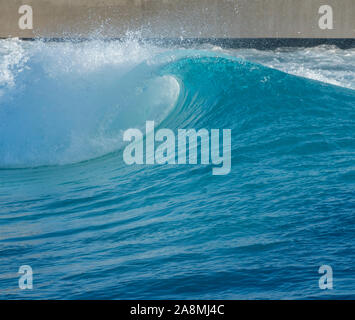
92, 227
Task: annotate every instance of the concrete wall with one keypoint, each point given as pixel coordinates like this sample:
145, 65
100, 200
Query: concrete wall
179, 18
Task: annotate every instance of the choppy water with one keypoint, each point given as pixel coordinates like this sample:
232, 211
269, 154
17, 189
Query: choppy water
92, 227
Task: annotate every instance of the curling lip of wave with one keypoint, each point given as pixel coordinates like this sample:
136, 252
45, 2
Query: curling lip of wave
75, 109
69, 109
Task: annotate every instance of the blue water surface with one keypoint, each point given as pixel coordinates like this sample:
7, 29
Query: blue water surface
92, 227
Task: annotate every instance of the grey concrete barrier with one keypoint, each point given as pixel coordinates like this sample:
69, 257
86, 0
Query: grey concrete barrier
178, 18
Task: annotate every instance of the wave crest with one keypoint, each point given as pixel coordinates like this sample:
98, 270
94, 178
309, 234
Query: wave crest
68, 102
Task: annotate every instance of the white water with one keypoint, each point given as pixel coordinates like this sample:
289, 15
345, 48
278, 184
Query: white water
69, 102
327, 64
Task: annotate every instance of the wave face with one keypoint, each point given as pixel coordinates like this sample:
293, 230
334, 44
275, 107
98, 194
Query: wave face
92, 227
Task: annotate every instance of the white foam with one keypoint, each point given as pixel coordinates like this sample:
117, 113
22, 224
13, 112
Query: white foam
328, 64
69, 102
12, 61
